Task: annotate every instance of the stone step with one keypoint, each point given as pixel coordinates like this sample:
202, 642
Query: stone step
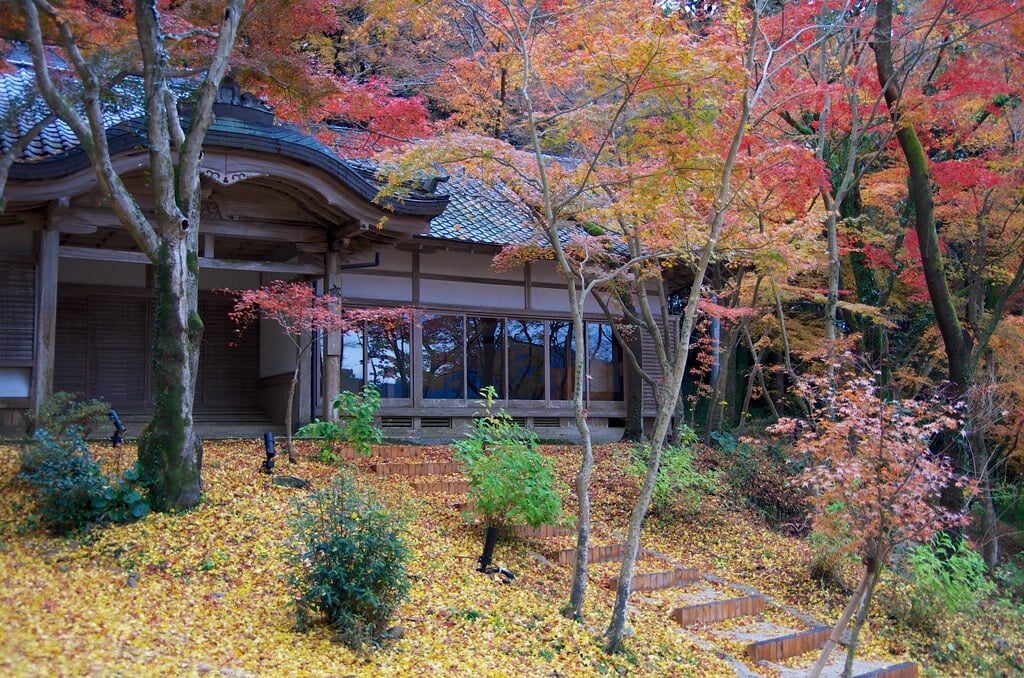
441, 486
427, 468
718, 610
790, 645
655, 581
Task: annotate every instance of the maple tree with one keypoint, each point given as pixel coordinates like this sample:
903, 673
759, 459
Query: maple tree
875, 483
650, 118
302, 315
988, 55
82, 51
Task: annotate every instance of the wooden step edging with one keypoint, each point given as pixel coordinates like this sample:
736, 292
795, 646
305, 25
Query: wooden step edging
904, 670
380, 452
655, 581
441, 486
790, 645
429, 468
719, 610
542, 532
597, 554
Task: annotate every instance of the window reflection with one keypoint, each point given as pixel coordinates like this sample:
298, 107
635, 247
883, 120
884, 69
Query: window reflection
604, 363
526, 359
460, 355
485, 355
442, 359
563, 352
352, 362
387, 353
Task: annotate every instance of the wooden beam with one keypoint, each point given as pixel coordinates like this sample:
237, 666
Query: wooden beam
95, 254
81, 219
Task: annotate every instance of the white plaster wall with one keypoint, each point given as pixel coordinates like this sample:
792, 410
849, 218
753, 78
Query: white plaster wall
86, 272
218, 279
277, 352
15, 382
16, 241
471, 295
546, 272
464, 264
391, 260
377, 288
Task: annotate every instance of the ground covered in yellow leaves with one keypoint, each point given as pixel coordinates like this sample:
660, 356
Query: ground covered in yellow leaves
206, 592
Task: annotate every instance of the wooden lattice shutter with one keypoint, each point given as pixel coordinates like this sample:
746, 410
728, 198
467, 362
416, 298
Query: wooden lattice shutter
119, 363
17, 312
71, 353
229, 364
649, 362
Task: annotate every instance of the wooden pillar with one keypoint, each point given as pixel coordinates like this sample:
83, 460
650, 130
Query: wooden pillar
331, 366
46, 314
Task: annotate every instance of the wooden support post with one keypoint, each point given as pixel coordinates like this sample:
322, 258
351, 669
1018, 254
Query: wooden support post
46, 314
331, 368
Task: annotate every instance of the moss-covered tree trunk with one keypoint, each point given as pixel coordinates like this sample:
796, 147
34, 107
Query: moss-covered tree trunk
170, 451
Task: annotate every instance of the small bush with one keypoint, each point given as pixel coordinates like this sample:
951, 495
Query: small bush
351, 561
63, 411
71, 490
679, 489
355, 425
828, 556
510, 480
946, 578
763, 475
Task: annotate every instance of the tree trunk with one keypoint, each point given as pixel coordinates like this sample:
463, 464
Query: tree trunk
858, 622
578, 588
617, 626
170, 451
956, 341
837, 630
288, 409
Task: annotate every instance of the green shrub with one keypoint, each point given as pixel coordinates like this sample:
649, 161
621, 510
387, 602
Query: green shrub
510, 480
350, 560
355, 425
946, 578
763, 475
828, 555
71, 490
679, 487
64, 410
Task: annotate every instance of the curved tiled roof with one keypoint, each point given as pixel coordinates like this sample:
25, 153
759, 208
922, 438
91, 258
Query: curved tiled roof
464, 210
56, 151
483, 214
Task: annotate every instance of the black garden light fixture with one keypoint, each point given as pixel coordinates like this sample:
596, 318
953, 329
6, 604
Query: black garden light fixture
268, 445
119, 428
485, 559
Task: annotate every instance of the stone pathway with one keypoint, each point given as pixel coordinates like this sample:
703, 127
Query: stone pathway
733, 614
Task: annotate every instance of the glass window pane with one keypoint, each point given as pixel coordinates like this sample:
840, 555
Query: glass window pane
485, 355
443, 367
563, 350
387, 352
352, 361
526, 359
604, 363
